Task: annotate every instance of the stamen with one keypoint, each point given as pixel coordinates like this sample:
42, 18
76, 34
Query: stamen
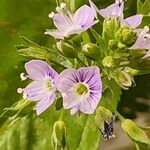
62, 5
19, 90
58, 9
51, 15
23, 76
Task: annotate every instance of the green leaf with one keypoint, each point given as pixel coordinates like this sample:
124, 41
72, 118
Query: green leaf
134, 132
34, 52
143, 8
111, 95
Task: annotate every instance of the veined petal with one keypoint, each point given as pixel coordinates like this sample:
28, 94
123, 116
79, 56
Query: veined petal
139, 43
94, 8
74, 109
146, 44
62, 22
67, 79
133, 21
34, 91
84, 28
38, 69
84, 15
44, 103
107, 12
70, 98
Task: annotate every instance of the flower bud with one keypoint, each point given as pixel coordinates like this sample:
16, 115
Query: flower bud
91, 50
112, 44
107, 61
123, 78
59, 135
66, 49
104, 120
126, 36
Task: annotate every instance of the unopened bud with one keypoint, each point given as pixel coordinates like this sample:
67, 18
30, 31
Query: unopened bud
126, 36
59, 135
66, 49
92, 51
108, 61
113, 45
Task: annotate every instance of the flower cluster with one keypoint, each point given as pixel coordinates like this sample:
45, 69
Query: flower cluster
81, 86
81, 89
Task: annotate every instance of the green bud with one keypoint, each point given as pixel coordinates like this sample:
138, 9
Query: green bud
112, 44
66, 49
108, 61
126, 36
123, 78
102, 114
91, 50
59, 135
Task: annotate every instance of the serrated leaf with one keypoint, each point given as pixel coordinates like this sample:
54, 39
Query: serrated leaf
134, 132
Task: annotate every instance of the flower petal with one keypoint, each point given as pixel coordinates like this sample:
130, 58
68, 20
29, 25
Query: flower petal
34, 91
38, 69
62, 22
45, 103
84, 16
56, 34
74, 110
133, 21
70, 99
139, 43
67, 79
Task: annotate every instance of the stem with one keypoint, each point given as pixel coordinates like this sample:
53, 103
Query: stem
120, 116
61, 115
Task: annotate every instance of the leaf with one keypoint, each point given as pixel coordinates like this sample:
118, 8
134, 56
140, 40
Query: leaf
79, 137
34, 52
134, 132
111, 95
143, 8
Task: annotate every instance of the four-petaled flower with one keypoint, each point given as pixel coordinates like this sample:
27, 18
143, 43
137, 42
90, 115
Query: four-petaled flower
81, 89
143, 41
43, 88
68, 23
116, 11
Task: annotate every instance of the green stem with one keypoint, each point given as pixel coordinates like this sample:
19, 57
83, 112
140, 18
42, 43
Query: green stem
61, 115
120, 116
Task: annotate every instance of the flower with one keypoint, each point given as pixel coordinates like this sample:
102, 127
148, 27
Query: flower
81, 89
68, 23
42, 89
116, 10
143, 41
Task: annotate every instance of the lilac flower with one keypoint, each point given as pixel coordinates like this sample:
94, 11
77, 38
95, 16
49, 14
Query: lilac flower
81, 89
143, 41
133, 21
116, 10
68, 23
42, 89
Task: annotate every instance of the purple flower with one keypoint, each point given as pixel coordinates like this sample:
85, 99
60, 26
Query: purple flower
143, 41
116, 10
68, 23
133, 21
81, 89
42, 89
